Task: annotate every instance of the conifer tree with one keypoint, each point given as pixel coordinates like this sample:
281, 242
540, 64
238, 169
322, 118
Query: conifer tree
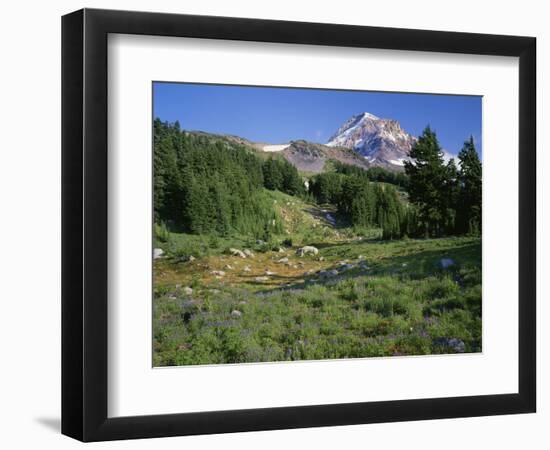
469, 202
427, 175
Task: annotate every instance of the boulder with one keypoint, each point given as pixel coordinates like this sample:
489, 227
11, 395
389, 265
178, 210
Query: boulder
237, 252
218, 273
236, 313
158, 253
187, 290
307, 250
283, 260
248, 253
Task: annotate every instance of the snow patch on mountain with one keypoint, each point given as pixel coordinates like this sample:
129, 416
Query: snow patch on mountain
275, 148
397, 162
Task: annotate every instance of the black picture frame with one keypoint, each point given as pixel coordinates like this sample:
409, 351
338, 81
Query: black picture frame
84, 224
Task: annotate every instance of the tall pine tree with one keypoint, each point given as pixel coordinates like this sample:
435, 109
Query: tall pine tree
427, 183
469, 202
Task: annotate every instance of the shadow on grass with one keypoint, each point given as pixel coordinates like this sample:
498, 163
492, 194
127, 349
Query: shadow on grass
328, 217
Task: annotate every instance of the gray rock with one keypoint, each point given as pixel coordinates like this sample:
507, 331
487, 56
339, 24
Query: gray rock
248, 253
158, 253
247, 269
445, 263
261, 279
324, 274
218, 273
191, 258
236, 313
307, 250
187, 290
283, 260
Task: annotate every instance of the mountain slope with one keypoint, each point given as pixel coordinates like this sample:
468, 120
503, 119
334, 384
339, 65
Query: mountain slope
310, 157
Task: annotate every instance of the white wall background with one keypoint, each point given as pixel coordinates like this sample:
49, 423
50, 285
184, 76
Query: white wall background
30, 226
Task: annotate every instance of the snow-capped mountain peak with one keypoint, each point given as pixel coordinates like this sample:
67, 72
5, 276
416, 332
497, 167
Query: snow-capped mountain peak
380, 141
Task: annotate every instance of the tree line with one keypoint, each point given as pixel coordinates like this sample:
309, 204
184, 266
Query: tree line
443, 199
379, 174
204, 184
365, 203
447, 198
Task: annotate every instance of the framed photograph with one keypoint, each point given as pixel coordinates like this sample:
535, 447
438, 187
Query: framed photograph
273, 225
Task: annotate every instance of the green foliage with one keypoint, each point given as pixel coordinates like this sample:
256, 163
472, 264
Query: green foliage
469, 196
205, 185
327, 187
447, 200
427, 178
378, 174
280, 175
364, 203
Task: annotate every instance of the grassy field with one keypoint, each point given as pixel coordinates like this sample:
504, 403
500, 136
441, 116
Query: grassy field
358, 297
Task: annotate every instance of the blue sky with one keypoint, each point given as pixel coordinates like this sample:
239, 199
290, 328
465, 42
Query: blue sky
279, 115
